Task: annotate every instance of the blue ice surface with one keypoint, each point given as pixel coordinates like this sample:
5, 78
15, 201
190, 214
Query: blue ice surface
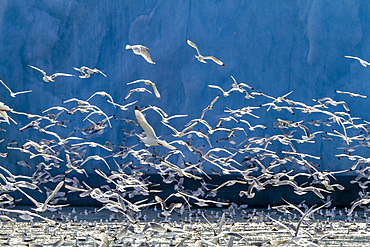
274, 46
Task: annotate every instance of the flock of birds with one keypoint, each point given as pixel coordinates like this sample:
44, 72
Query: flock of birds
229, 147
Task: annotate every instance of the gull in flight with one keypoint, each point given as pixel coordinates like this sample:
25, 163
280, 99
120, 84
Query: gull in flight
42, 207
147, 82
363, 62
86, 71
11, 92
202, 58
136, 90
122, 107
101, 94
140, 50
226, 93
50, 78
151, 138
3, 110
352, 94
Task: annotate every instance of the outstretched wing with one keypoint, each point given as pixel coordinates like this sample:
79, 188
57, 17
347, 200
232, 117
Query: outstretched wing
215, 60
146, 56
33, 67
193, 45
59, 74
144, 124
156, 92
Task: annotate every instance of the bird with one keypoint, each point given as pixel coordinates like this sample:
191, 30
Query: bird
142, 51
11, 92
202, 58
225, 93
3, 109
102, 93
88, 72
50, 78
352, 94
363, 62
136, 90
122, 107
147, 82
42, 207
151, 139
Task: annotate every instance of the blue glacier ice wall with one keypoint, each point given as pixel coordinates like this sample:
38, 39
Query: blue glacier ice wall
274, 46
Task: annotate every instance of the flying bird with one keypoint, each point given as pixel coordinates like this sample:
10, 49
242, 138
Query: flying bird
202, 58
142, 51
50, 78
147, 82
86, 71
136, 90
352, 94
151, 139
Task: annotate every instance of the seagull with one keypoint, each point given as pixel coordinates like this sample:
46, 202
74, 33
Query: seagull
202, 58
352, 94
225, 93
140, 50
122, 107
11, 92
148, 82
102, 93
42, 207
88, 72
47, 78
136, 90
3, 109
363, 62
151, 139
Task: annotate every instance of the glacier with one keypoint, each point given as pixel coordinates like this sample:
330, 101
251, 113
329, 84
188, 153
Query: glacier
274, 46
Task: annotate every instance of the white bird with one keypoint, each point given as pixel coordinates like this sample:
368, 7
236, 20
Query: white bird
151, 138
225, 93
103, 94
11, 92
363, 62
136, 90
202, 58
88, 72
42, 207
122, 107
147, 82
140, 50
50, 78
3, 109
352, 94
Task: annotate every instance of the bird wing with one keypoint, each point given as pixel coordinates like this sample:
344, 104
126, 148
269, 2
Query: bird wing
214, 60
92, 96
144, 124
128, 83
146, 55
6, 86
193, 45
33, 67
137, 90
352, 57
57, 188
21, 92
102, 73
60, 74
217, 87
156, 92
166, 145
